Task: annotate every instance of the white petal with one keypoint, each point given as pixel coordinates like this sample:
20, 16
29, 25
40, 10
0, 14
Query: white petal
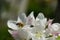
11, 32
55, 27
41, 24
27, 28
23, 34
31, 14
12, 25
50, 21
19, 20
43, 38
40, 16
43, 21
23, 17
14, 34
31, 19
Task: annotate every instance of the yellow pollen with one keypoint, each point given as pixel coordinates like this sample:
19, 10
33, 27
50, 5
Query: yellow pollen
38, 34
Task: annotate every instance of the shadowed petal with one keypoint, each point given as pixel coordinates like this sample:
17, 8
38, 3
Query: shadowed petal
23, 17
12, 25
51, 38
14, 34
23, 34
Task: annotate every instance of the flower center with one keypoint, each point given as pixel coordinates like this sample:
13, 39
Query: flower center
20, 25
38, 35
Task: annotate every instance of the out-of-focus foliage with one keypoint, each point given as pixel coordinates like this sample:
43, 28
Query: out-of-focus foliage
4, 5
4, 35
58, 38
41, 6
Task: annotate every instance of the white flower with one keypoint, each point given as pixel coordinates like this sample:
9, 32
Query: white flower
38, 26
16, 24
18, 28
54, 29
39, 32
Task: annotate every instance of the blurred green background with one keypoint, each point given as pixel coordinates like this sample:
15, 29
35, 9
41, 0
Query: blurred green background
9, 9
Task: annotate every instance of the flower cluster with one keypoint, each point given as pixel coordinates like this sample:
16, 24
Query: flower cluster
30, 28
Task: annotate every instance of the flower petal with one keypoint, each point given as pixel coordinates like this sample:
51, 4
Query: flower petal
55, 27
40, 16
23, 34
49, 23
27, 28
14, 34
19, 20
41, 24
31, 19
23, 17
11, 32
43, 21
12, 24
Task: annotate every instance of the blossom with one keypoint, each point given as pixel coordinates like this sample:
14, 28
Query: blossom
38, 26
31, 28
17, 28
43, 29
54, 29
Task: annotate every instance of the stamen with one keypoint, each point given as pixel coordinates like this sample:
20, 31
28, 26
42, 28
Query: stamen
20, 24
